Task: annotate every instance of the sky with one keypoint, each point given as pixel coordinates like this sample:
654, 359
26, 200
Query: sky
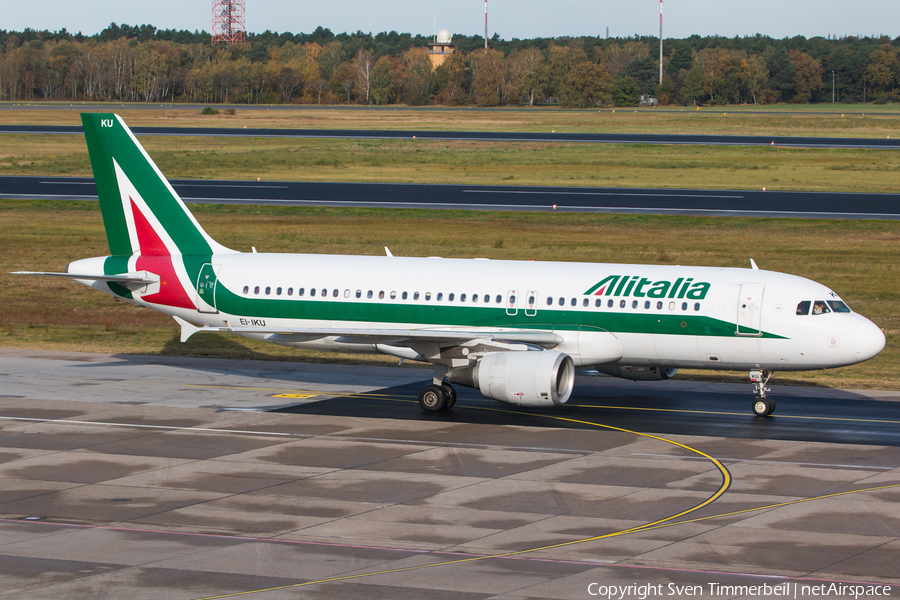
509, 18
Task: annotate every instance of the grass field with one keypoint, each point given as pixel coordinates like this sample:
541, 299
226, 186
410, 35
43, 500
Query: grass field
822, 120
856, 258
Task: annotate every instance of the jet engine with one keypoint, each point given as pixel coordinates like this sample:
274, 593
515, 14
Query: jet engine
532, 378
637, 373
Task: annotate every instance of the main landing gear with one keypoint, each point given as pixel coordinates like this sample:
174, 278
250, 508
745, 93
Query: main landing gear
434, 398
763, 406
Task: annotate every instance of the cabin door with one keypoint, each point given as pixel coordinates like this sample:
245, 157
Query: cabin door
206, 288
749, 317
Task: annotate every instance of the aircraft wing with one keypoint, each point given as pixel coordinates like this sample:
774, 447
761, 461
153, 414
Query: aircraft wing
394, 337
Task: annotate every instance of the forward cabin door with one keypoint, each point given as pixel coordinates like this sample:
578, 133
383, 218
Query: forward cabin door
749, 317
206, 288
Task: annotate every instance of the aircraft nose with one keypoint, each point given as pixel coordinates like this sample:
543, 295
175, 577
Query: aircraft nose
869, 341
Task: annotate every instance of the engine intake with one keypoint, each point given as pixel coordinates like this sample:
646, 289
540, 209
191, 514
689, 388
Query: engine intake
534, 378
638, 373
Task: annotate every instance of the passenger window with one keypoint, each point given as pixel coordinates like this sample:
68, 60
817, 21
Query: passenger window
381, 295
647, 304
369, 294
474, 298
684, 306
290, 291
659, 305
301, 291
427, 296
609, 304
598, 302
562, 301
268, 291
246, 289
838, 306
393, 295
621, 304
696, 307
277, 291
487, 298
462, 297
634, 304
440, 296
405, 295
346, 293
359, 293
415, 295
451, 296
820, 308
499, 299
335, 293
549, 300
585, 302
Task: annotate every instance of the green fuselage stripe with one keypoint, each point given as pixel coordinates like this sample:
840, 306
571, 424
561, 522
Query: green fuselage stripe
385, 311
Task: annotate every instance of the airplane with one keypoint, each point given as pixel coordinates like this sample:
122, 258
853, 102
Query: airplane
515, 330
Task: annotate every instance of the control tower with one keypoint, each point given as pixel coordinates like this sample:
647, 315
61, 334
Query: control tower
441, 48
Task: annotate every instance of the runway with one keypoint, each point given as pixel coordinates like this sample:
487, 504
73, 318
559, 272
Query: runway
483, 136
195, 478
748, 203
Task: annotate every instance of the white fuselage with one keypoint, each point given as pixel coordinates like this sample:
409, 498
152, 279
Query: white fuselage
742, 318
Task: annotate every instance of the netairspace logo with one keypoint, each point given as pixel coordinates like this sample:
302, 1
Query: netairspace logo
783, 590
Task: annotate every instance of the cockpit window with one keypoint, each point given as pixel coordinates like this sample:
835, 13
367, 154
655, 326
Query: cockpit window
820, 308
803, 307
838, 306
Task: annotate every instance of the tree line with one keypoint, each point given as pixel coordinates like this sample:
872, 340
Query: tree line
142, 63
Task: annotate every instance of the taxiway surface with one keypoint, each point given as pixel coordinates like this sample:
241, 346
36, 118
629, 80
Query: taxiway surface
746, 203
192, 478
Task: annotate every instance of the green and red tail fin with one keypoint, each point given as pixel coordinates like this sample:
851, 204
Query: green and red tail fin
142, 214
148, 227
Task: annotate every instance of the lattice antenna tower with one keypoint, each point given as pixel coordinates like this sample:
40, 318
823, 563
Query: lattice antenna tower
228, 22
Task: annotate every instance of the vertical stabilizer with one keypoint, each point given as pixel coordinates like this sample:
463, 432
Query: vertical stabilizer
142, 214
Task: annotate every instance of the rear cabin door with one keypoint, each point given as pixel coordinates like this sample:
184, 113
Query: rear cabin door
749, 317
206, 288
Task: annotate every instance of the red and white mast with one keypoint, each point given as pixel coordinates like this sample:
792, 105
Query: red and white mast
485, 24
660, 41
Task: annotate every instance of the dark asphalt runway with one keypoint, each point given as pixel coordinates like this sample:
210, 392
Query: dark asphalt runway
520, 198
493, 136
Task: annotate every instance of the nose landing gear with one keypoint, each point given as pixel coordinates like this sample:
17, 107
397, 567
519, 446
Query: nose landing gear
763, 406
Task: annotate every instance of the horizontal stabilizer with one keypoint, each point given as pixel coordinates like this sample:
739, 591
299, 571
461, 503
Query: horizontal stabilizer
132, 281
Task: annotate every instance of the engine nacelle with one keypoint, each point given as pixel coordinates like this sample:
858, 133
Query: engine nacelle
637, 373
533, 378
